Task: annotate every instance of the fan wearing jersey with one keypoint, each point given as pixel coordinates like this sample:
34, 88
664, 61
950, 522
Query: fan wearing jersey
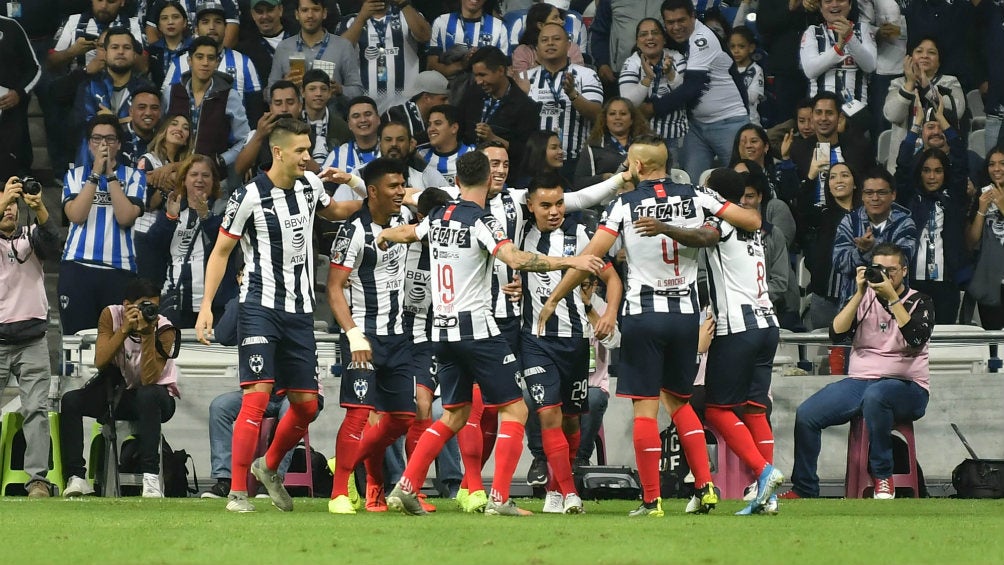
455, 36
659, 315
839, 55
431, 89
363, 120
464, 239
272, 217
366, 294
741, 356
556, 362
444, 145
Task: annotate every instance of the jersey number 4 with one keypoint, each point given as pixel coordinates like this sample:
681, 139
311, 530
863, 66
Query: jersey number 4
670, 256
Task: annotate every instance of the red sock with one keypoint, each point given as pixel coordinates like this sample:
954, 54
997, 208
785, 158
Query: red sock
374, 469
489, 432
245, 440
377, 438
695, 447
290, 431
647, 451
350, 435
759, 427
556, 449
428, 448
736, 435
470, 440
574, 439
508, 449
415, 432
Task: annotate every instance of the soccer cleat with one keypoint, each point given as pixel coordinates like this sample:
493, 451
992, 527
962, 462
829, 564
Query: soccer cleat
220, 490
273, 484
749, 493
406, 502
573, 504
790, 495
461, 499
704, 500
38, 489
768, 482
884, 489
357, 501
652, 509
771, 506
476, 501
537, 475
427, 506
238, 502
554, 503
151, 486
375, 500
507, 508
341, 505
77, 487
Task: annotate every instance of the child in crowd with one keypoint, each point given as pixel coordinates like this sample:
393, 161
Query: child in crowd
742, 44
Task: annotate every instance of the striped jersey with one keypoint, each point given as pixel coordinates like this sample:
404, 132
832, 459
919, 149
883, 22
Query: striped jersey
409, 114
101, 240
234, 63
846, 72
569, 319
661, 273
556, 112
453, 29
275, 227
753, 80
78, 25
376, 277
573, 25
463, 238
231, 12
187, 268
673, 125
349, 156
417, 294
737, 280
445, 163
388, 57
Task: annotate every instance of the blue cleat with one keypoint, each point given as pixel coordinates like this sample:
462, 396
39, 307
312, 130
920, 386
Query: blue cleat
768, 482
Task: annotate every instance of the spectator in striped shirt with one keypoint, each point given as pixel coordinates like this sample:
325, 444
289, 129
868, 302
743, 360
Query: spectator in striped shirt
174, 36
364, 121
431, 89
455, 36
445, 146
838, 55
231, 15
76, 41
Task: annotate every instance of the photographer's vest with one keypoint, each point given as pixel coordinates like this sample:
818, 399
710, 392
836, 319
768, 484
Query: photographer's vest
128, 357
879, 349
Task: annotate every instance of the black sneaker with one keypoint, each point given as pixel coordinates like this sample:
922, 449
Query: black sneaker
220, 490
537, 475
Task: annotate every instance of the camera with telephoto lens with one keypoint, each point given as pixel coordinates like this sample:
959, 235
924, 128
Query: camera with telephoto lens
31, 186
875, 274
148, 310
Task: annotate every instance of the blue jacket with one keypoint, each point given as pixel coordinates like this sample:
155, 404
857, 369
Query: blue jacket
899, 229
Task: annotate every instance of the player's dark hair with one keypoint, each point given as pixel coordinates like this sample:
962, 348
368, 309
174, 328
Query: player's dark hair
282, 84
381, 167
546, 179
890, 249
473, 169
140, 288
728, 183
826, 95
879, 172
451, 113
203, 41
671, 5
492, 57
385, 125
744, 32
432, 198
286, 127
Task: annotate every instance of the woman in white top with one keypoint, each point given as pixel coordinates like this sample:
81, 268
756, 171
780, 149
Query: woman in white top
839, 55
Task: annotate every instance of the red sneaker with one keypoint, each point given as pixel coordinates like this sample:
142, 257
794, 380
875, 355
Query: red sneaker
884, 489
375, 499
425, 505
790, 495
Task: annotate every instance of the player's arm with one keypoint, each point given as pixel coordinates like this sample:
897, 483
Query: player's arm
704, 236
338, 277
595, 194
520, 260
338, 211
598, 246
216, 266
399, 234
743, 218
607, 323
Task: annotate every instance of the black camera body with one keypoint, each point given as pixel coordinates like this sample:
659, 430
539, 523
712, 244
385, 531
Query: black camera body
29, 185
874, 274
149, 311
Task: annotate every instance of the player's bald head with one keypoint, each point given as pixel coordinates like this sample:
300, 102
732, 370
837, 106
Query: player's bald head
650, 150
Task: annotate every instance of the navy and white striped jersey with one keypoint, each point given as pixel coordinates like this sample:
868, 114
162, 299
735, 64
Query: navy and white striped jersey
348, 157
673, 125
101, 240
573, 25
556, 112
417, 294
186, 269
737, 280
388, 58
231, 12
233, 63
275, 227
376, 277
463, 238
753, 79
445, 163
452, 29
78, 25
661, 273
569, 319
845, 72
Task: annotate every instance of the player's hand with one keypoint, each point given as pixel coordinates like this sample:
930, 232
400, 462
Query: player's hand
865, 242
546, 311
606, 324
648, 227
588, 263
514, 289
334, 175
360, 346
204, 326
707, 332
411, 195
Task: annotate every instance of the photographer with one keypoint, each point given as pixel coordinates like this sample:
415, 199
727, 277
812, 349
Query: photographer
133, 354
887, 381
24, 312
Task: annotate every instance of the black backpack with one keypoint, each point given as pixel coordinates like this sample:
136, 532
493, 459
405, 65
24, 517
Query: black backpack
173, 467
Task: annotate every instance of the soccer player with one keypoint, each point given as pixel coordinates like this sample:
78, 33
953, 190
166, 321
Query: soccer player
660, 313
273, 216
444, 143
741, 356
366, 294
464, 238
556, 363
